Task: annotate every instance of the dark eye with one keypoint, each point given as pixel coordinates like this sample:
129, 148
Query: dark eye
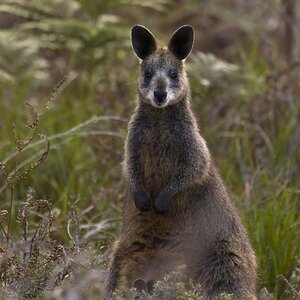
174, 75
148, 75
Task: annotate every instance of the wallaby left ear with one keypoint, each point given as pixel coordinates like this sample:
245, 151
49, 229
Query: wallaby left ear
181, 42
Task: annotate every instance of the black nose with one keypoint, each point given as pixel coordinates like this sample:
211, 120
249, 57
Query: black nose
160, 96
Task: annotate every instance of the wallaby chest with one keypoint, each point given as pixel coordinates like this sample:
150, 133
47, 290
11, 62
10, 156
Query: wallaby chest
159, 152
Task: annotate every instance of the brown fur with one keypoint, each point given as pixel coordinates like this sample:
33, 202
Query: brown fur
177, 211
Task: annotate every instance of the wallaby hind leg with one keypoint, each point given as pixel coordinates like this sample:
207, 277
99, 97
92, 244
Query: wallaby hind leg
128, 264
224, 271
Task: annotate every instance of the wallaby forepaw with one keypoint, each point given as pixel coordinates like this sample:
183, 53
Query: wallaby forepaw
142, 201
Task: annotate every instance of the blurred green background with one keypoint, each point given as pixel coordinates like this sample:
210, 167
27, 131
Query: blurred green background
244, 73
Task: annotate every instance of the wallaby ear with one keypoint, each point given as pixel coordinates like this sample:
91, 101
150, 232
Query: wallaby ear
181, 42
143, 41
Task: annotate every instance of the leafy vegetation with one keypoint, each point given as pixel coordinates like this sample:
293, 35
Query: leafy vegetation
67, 89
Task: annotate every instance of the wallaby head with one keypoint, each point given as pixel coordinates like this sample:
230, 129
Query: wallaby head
162, 80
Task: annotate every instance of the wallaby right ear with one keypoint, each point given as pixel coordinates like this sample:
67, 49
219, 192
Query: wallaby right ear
181, 42
143, 41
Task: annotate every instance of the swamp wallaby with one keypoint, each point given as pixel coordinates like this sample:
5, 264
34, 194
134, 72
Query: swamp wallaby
177, 211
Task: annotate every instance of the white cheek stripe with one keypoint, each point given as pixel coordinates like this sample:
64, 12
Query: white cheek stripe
171, 96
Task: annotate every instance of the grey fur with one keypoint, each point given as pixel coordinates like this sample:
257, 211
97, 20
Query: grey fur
177, 211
